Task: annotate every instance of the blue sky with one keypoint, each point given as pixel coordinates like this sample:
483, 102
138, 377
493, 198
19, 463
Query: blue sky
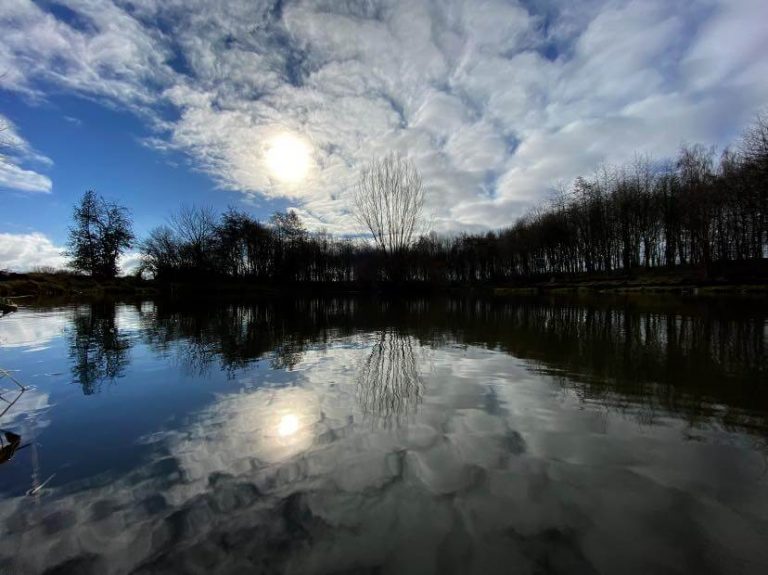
158, 103
100, 148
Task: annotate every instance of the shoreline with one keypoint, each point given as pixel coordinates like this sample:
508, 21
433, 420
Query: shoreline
41, 285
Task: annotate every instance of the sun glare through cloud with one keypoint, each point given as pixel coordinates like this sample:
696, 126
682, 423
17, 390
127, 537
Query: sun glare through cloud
288, 158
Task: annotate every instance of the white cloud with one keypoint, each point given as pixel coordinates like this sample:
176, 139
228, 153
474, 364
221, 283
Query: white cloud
129, 262
107, 53
495, 101
14, 177
24, 252
15, 150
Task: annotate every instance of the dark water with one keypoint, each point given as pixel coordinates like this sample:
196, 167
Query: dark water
359, 436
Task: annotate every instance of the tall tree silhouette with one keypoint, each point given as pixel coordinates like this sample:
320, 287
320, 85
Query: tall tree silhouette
101, 232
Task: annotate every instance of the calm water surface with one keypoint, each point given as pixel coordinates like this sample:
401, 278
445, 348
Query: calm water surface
359, 436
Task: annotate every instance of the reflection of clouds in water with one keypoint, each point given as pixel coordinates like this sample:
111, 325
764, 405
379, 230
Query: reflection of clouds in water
31, 405
262, 427
36, 329
484, 475
289, 424
28, 329
23, 412
129, 318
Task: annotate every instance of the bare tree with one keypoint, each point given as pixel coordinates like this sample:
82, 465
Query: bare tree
389, 202
194, 224
195, 228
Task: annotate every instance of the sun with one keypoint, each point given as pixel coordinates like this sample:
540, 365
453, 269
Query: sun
288, 158
289, 424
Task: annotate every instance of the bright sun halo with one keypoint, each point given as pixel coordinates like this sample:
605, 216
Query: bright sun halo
289, 424
288, 158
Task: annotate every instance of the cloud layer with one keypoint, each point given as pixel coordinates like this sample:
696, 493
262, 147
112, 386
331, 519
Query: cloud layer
15, 150
496, 101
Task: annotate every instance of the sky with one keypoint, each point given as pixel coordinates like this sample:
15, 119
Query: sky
273, 105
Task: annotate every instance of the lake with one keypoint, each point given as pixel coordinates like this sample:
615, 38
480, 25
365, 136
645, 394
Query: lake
530, 435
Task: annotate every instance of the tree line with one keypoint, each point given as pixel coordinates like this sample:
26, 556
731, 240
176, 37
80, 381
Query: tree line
697, 209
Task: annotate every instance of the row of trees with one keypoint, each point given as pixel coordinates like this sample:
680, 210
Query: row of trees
195, 243
695, 210
692, 211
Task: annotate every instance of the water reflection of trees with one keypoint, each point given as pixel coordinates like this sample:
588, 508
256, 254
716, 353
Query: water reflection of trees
98, 350
702, 359
388, 382
233, 336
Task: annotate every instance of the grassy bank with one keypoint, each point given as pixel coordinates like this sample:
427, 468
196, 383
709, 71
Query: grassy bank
732, 279
628, 287
70, 284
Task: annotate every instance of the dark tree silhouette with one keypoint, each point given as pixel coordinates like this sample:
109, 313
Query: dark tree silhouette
101, 232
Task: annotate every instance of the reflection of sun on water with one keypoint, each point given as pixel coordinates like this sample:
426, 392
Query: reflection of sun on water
288, 158
289, 424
